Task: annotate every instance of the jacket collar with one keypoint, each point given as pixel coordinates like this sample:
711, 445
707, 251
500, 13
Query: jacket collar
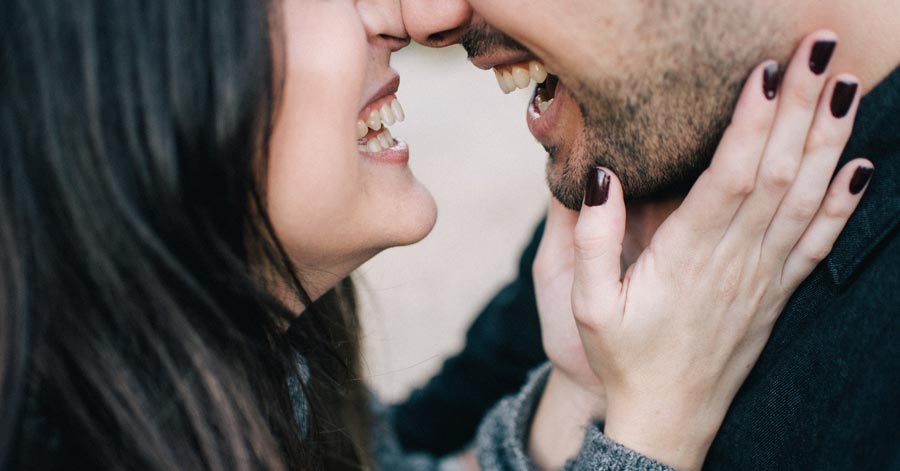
876, 136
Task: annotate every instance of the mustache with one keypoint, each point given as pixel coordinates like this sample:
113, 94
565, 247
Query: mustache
481, 38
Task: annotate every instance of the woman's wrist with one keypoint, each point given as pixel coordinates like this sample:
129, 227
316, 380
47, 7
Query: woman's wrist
565, 411
675, 436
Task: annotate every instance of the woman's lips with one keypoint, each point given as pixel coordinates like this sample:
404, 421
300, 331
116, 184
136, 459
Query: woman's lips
397, 153
385, 111
373, 138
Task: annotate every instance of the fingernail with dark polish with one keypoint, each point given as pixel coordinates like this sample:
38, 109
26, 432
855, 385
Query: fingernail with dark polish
771, 80
597, 191
821, 56
842, 99
860, 179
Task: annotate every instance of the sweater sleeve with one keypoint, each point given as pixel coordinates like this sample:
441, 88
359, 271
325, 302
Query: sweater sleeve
500, 444
502, 345
502, 438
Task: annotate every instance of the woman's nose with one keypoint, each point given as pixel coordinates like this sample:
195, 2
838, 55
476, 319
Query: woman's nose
384, 23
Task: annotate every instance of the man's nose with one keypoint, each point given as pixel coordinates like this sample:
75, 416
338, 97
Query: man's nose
436, 23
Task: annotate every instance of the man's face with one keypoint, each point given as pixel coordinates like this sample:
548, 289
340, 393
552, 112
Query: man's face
644, 87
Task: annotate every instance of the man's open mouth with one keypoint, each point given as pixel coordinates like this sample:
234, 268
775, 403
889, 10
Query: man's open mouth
512, 77
545, 94
519, 73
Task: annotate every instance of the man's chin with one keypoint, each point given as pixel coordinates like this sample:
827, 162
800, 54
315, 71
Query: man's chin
562, 191
567, 179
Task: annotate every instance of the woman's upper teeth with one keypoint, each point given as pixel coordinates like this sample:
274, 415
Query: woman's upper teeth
512, 77
361, 129
386, 115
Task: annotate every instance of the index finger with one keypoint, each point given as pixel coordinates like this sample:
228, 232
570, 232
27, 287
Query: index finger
719, 192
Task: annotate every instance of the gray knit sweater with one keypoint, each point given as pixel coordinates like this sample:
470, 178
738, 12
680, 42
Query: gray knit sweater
501, 441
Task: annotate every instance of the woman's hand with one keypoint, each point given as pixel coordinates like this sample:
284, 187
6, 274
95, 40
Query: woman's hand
672, 341
554, 274
574, 394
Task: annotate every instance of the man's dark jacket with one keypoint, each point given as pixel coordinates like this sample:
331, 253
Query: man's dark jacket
825, 393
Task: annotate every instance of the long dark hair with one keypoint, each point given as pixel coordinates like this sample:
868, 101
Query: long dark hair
135, 332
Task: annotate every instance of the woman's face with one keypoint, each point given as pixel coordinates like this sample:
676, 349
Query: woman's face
338, 188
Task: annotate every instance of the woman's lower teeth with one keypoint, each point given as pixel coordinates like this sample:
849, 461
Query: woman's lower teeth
377, 143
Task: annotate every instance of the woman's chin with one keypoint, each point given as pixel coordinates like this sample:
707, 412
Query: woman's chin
416, 219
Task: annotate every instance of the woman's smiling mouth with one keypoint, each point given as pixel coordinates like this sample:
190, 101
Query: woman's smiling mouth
372, 133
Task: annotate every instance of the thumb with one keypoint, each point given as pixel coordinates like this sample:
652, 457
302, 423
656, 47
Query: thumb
559, 230
598, 244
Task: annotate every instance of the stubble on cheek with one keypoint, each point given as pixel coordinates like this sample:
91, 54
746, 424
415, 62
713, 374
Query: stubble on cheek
655, 118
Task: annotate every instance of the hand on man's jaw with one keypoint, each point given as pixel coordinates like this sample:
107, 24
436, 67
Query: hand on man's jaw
823, 395
650, 93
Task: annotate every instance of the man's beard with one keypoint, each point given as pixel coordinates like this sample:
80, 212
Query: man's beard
656, 136
656, 120
480, 39
656, 116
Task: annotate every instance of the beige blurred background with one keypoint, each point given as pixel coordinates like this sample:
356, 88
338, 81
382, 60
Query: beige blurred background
470, 146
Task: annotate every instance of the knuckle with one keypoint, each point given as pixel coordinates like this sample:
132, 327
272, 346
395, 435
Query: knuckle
735, 183
741, 183
582, 313
836, 210
822, 139
752, 125
815, 255
760, 124
588, 241
817, 141
587, 327
587, 309
582, 317
779, 175
802, 95
804, 209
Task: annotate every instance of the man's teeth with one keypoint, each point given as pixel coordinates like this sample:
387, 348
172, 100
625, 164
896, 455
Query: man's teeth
516, 76
521, 76
543, 105
540, 104
387, 115
538, 71
504, 80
